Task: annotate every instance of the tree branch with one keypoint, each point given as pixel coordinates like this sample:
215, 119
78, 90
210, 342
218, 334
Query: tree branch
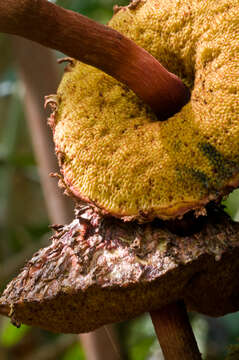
96, 45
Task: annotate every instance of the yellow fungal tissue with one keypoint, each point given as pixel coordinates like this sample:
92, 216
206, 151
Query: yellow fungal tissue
116, 155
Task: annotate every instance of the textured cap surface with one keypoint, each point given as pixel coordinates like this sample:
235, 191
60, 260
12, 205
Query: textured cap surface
99, 271
112, 151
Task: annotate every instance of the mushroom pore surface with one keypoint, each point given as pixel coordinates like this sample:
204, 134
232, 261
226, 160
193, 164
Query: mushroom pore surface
113, 151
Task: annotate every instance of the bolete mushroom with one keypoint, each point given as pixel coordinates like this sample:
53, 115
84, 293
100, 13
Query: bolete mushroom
113, 152
116, 156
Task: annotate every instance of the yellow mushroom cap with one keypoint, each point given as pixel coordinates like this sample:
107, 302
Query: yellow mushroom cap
115, 154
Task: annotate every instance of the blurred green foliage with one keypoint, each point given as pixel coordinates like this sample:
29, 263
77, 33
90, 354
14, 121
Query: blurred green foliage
232, 205
140, 338
24, 222
10, 335
75, 352
100, 10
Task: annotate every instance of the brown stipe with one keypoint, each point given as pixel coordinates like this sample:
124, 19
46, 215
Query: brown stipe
89, 42
173, 328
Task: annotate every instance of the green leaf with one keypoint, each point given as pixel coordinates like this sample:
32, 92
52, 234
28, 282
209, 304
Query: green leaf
10, 335
232, 205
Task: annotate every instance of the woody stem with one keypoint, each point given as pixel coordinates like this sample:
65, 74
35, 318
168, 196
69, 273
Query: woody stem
96, 45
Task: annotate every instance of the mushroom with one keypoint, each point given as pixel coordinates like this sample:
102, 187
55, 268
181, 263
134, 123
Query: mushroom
100, 270
129, 168
113, 152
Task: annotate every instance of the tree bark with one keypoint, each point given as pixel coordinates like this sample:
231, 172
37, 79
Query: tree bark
96, 45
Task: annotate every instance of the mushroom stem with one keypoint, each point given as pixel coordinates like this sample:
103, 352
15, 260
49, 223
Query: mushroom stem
174, 332
99, 46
